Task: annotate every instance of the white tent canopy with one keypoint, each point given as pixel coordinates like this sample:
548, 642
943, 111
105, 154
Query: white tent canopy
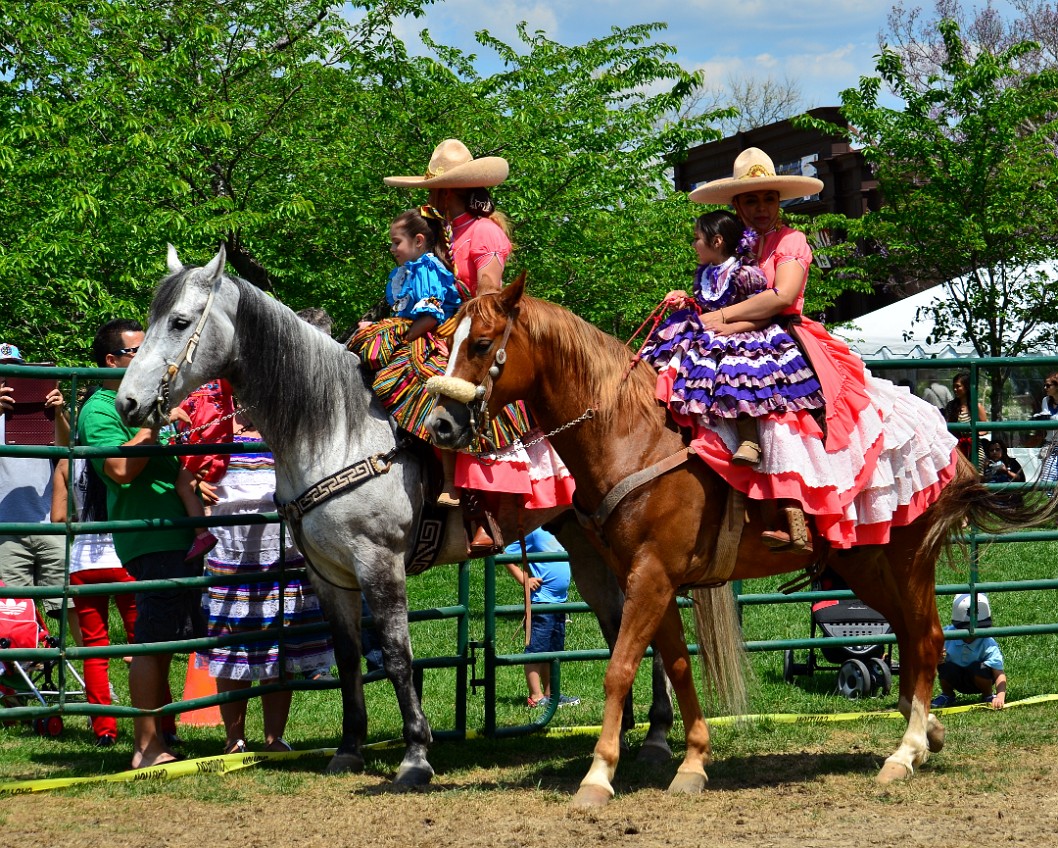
881, 334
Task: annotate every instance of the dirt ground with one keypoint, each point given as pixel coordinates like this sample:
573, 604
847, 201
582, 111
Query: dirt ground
789, 800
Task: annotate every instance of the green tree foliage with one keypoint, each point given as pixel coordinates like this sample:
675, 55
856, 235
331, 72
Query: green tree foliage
268, 125
970, 182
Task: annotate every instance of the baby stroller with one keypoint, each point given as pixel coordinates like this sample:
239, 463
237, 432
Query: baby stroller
863, 670
27, 682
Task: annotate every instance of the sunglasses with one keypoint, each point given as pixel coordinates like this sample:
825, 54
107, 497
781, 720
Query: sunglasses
1048, 384
125, 351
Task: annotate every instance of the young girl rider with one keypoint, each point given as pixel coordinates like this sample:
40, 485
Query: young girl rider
742, 370
422, 295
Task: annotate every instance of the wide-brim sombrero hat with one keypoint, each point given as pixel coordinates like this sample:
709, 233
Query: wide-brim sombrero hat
452, 166
754, 171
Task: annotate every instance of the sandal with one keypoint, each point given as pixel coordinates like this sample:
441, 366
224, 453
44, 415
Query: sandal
278, 746
236, 747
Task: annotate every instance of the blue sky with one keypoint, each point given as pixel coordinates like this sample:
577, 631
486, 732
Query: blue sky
822, 45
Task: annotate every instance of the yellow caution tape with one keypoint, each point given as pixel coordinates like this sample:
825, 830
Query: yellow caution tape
233, 762
798, 718
221, 764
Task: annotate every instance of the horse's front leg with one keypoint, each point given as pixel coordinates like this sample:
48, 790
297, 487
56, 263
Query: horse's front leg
387, 599
598, 587
646, 602
341, 608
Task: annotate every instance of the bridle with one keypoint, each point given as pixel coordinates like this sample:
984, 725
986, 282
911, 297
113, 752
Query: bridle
476, 398
186, 356
479, 406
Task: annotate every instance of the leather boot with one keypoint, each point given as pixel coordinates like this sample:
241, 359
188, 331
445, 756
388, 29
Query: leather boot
748, 452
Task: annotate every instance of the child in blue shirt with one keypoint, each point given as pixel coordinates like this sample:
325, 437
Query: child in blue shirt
971, 666
549, 584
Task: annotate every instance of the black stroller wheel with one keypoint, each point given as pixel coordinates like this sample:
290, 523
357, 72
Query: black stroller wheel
881, 676
854, 680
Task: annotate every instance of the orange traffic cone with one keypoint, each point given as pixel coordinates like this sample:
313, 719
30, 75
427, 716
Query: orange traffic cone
198, 684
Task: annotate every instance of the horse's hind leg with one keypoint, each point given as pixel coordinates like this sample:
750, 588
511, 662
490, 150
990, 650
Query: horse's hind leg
901, 587
690, 778
341, 607
598, 587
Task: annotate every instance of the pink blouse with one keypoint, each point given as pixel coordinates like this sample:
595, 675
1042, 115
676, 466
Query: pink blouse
475, 243
784, 245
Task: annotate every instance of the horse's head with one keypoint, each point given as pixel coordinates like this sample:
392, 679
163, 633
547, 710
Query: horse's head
188, 341
485, 367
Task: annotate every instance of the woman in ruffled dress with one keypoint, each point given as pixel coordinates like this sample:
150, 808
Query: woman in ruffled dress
878, 456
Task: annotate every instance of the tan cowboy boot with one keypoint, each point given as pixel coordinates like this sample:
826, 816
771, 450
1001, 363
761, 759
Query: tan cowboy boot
748, 452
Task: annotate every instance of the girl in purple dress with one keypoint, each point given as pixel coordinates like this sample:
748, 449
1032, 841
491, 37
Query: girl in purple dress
742, 370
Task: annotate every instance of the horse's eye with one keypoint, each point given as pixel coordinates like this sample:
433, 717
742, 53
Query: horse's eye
481, 346
180, 323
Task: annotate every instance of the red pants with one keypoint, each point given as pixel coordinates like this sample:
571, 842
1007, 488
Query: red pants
94, 613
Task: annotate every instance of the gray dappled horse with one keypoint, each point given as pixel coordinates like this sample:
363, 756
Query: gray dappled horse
314, 408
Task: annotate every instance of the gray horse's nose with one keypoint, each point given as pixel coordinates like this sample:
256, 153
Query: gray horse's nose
127, 408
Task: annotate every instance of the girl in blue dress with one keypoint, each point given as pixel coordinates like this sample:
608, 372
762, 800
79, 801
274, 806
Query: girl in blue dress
403, 349
742, 371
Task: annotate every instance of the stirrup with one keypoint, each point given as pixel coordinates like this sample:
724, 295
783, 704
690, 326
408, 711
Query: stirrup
797, 541
482, 544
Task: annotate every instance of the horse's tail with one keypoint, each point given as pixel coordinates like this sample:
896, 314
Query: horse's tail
967, 499
720, 650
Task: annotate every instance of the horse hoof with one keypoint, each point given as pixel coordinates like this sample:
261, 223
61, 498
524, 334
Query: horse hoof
342, 763
413, 776
935, 738
892, 772
654, 753
687, 783
591, 797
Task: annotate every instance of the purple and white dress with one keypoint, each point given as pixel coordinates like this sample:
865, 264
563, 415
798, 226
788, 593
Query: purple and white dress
708, 376
252, 607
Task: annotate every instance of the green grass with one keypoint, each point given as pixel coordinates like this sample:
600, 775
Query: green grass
316, 715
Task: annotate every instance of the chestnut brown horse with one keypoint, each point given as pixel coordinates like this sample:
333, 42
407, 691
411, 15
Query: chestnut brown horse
662, 535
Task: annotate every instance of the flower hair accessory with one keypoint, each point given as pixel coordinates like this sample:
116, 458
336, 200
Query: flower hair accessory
747, 246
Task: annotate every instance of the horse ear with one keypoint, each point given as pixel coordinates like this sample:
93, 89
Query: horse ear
173, 261
216, 265
512, 294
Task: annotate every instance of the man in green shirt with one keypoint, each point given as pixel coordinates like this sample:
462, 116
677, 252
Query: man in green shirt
141, 488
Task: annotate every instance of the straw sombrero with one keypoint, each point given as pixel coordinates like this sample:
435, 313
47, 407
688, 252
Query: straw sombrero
452, 166
754, 171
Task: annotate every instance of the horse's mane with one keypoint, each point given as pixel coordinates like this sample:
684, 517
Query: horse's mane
310, 376
596, 363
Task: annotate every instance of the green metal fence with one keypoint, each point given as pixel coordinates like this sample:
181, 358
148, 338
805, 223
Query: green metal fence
461, 657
